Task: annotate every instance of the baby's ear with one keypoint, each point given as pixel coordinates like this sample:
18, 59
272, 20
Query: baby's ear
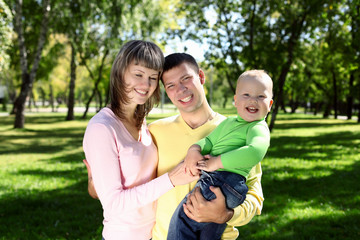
271, 103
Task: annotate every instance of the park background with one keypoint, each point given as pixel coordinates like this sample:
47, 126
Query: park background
55, 59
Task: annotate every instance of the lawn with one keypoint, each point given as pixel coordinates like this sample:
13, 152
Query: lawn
310, 180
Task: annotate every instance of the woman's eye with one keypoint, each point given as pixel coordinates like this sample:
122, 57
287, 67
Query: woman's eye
153, 79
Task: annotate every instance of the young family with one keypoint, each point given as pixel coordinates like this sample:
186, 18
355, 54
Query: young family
130, 166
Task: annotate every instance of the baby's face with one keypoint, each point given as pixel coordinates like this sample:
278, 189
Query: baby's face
253, 99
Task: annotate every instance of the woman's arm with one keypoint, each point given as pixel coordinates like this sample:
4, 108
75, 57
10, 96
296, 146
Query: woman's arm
105, 176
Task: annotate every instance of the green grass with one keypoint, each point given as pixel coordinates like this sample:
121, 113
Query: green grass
310, 180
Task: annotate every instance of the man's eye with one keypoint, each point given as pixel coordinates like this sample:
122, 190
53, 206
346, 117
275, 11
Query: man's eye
138, 75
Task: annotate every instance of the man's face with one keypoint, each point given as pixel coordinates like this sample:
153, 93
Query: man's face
183, 86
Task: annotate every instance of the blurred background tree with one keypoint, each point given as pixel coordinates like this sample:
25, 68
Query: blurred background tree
309, 48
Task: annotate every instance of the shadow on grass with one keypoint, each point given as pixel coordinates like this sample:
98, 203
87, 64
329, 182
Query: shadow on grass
63, 213
42, 141
337, 191
59, 214
326, 146
313, 124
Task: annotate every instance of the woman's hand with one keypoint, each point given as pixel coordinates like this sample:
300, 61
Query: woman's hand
91, 188
178, 176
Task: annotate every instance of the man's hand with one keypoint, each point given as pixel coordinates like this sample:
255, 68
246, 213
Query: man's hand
91, 188
199, 209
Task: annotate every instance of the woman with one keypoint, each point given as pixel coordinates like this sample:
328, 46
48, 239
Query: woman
120, 150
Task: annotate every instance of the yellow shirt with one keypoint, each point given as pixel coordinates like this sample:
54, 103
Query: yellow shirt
173, 137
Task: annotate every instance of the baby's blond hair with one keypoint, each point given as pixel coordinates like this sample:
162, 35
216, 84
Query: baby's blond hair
258, 74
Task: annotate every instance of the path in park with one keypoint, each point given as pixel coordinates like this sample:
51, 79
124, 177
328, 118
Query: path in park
82, 109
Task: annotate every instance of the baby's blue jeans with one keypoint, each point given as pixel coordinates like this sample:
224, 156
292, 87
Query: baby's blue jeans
234, 188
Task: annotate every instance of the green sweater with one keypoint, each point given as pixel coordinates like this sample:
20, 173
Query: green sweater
241, 144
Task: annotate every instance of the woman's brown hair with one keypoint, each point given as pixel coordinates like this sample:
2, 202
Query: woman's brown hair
146, 54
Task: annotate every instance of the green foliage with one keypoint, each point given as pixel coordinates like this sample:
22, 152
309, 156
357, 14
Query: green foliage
309, 180
307, 43
5, 34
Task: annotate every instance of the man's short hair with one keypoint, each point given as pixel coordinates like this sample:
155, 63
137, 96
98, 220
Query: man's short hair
176, 59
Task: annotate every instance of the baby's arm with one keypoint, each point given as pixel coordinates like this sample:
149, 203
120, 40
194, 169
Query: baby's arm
192, 158
210, 163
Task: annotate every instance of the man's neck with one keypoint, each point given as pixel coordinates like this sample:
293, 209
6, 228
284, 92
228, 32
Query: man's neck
199, 117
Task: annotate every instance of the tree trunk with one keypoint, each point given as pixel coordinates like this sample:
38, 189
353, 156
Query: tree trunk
100, 100
98, 80
296, 29
335, 98
52, 101
19, 105
71, 98
327, 110
28, 78
350, 98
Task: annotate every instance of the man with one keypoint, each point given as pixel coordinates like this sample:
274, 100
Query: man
183, 81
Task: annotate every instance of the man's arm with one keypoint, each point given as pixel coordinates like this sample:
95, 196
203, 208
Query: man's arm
91, 188
201, 210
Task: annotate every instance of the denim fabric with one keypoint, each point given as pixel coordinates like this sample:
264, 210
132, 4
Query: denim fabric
234, 189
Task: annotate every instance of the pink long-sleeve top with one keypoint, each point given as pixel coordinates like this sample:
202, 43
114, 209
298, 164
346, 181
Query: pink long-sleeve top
124, 171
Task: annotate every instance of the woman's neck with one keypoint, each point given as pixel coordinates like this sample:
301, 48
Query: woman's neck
129, 111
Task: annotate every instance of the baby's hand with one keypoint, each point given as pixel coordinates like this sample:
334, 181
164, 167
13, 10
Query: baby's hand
210, 163
191, 160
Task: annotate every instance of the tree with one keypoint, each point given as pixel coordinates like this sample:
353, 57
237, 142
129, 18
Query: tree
5, 34
28, 66
251, 34
354, 14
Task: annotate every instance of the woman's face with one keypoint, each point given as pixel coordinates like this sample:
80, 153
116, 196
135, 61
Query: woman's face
141, 83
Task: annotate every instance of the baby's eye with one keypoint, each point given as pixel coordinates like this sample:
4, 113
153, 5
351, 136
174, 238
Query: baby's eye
246, 95
261, 97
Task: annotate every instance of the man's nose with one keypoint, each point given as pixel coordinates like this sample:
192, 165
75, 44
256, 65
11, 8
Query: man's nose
181, 87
